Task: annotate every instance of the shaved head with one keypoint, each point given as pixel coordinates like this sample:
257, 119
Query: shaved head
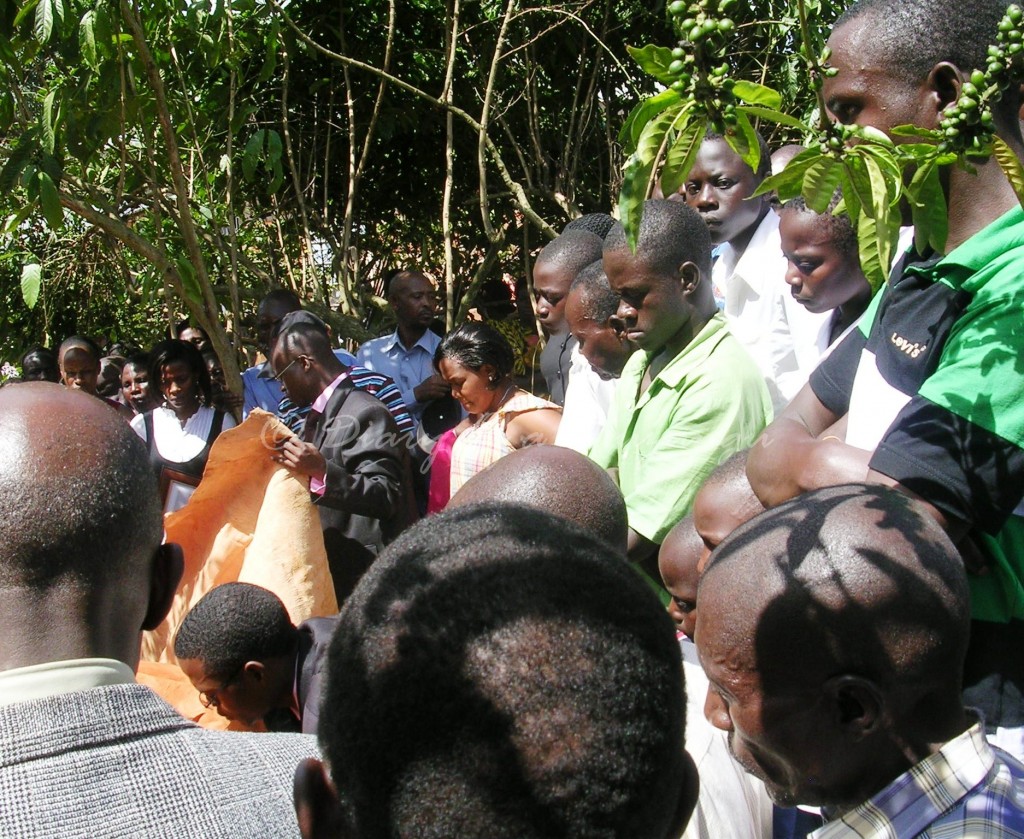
80, 531
858, 576
558, 480
833, 631
78, 496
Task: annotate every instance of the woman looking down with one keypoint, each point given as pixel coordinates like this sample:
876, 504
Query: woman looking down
477, 362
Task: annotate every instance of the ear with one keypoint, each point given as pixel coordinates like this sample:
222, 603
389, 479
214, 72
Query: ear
317, 807
168, 566
689, 277
256, 670
944, 83
687, 801
858, 705
488, 371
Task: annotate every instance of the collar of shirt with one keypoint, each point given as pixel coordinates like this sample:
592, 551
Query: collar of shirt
424, 343
986, 247
753, 266
320, 403
688, 359
39, 681
922, 794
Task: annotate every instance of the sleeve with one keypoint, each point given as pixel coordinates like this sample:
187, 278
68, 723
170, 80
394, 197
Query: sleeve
710, 424
958, 442
832, 380
605, 449
365, 466
391, 396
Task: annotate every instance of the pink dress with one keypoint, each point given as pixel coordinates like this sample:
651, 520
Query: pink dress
440, 472
483, 443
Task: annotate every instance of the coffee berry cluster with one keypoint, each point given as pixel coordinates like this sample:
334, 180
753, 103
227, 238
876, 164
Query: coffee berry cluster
704, 31
967, 127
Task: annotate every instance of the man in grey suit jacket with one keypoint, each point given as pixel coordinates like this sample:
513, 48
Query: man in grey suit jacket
351, 450
84, 751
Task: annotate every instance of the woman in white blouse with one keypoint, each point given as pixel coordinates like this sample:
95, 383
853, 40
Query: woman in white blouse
180, 432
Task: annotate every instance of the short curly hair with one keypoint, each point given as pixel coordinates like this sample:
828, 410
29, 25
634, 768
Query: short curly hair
500, 672
234, 623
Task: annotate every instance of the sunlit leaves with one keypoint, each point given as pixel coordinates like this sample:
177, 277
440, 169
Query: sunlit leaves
31, 283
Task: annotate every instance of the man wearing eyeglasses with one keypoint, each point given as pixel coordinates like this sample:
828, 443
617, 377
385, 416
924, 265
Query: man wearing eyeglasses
351, 450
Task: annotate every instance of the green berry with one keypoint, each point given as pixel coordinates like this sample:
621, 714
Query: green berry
1015, 14
676, 67
679, 86
679, 53
725, 26
978, 78
677, 7
695, 34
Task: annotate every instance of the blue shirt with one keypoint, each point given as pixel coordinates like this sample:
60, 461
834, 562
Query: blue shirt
408, 367
267, 393
967, 788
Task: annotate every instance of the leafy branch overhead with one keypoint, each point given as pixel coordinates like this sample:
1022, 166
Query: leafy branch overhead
875, 175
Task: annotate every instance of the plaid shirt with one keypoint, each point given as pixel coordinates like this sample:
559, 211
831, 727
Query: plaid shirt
966, 789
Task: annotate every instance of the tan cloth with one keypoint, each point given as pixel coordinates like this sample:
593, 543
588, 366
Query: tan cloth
250, 520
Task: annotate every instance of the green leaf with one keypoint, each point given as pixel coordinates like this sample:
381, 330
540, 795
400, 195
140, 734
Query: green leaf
16, 163
47, 133
744, 142
31, 283
13, 221
757, 94
772, 115
654, 137
6, 109
881, 197
46, 13
275, 147
635, 179
790, 181
681, 155
50, 201
654, 61
928, 206
189, 281
24, 12
820, 183
876, 240
1011, 166
643, 113
87, 38
253, 154
916, 131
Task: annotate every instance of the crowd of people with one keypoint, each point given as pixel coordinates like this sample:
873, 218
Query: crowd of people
749, 564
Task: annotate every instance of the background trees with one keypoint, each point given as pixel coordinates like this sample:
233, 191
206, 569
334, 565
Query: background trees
174, 158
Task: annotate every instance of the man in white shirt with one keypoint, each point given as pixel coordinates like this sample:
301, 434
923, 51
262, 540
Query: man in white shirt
749, 276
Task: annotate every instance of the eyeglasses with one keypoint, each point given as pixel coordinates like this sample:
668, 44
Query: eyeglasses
210, 698
277, 376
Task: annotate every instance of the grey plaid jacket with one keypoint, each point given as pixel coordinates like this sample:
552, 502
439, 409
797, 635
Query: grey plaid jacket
119, 761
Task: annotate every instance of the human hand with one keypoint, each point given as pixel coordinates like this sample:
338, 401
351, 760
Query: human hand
300, 457
429, 389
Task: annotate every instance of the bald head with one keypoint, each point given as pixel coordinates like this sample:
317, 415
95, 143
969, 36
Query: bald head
836, 625
558, 480
725, 501
80, 521
859, 573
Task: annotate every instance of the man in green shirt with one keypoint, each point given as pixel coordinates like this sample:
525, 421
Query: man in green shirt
692, 396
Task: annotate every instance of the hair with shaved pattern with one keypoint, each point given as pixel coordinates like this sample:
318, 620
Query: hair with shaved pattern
499, 672
597, 223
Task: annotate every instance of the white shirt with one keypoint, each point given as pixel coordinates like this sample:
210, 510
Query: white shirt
731, 803
587, 400
779, 333
52, 678
177, 443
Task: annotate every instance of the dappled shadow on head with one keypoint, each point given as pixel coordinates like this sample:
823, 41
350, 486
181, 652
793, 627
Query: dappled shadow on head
556, 480
498, 672
849, 607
